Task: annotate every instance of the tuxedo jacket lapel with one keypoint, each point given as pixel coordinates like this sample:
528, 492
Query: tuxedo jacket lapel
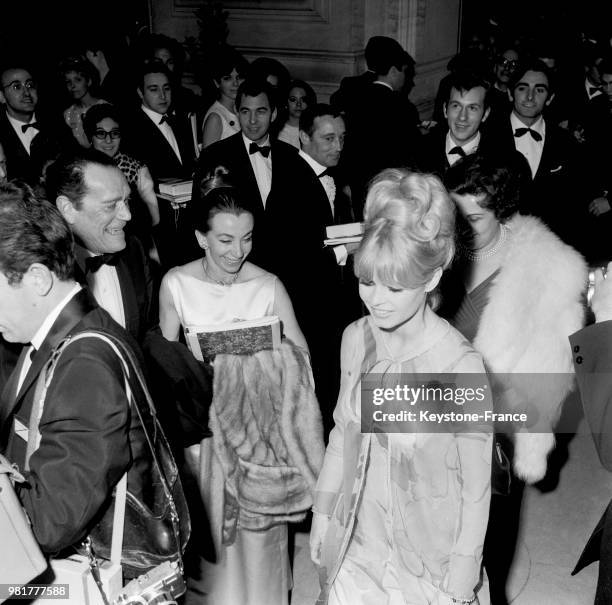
245, 168
128, 286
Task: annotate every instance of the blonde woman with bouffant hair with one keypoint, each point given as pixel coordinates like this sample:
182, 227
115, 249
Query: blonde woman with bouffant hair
400, 517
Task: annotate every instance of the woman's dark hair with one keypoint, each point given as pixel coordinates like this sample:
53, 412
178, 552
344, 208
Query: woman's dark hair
218, 194
96, 114
311, 95
228, 60
475, 175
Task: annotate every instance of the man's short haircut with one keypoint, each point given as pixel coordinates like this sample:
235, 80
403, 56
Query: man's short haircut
253, 87
228, 60
465, 80
153, 66
32, 231
532, 64
307, 119
16, 64
387, 53
66, 175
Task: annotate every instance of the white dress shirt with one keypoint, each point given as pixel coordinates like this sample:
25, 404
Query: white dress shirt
27, 136
262, 167
588, 85
330, 189
470, 147
165, 129
104, 285
527, 145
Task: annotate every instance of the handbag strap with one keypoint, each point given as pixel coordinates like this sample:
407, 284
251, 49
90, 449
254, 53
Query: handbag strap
40, 392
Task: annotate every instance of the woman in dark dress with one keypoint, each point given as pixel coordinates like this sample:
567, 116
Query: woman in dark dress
515, 292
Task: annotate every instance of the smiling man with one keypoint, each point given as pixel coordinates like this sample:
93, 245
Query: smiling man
552, 192
92, 195
252, 158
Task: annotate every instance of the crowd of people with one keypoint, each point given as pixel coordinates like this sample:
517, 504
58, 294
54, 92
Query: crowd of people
476, 227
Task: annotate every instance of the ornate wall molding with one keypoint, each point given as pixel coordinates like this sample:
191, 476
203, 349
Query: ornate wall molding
303, 11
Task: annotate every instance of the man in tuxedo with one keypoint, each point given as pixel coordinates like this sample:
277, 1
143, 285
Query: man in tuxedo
92, 195
162, 139
352, 87
255, 163
84, 428
27, 140
548, 149
381, 130
592, 349
322, 289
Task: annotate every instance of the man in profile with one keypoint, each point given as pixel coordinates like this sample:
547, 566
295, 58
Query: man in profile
84, 428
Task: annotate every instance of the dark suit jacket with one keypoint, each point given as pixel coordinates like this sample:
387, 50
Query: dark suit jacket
232, 154
351, 88
592, 350
138, 291
45, 146
144, 141
381, 133
84, 447
553, 195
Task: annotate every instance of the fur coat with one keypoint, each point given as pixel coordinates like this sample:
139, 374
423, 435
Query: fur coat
534, 304
267, 438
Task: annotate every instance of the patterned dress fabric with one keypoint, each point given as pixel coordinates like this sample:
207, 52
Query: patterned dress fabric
408, 511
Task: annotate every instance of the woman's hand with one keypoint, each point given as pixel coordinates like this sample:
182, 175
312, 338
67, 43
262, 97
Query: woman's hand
318, 529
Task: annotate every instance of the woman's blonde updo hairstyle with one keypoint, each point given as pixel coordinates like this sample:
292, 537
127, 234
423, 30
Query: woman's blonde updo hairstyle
409, 229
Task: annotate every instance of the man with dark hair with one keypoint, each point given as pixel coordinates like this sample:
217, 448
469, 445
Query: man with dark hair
254, 161
505, 64
318, 283
84, 446
548, 149
92, 195
381, 129
352, 87
28, 140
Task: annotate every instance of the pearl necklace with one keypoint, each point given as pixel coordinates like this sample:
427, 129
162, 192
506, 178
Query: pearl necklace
476, 256
219, 282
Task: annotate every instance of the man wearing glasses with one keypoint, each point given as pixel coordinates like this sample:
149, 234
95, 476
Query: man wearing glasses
504, 69
25, 140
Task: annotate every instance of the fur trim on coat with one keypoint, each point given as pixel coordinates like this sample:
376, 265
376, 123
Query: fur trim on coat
535, 303
267, 436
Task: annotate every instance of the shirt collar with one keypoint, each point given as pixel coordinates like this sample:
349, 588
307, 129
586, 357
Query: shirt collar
318, 168
539, 126
468, 147
18, 123
155, 117
247, 141
384, 84
46, 325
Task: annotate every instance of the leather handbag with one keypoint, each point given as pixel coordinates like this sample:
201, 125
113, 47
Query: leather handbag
20, 557
157, 525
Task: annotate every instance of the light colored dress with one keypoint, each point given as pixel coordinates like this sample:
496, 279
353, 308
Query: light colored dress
229, 120
408, 510
254, 570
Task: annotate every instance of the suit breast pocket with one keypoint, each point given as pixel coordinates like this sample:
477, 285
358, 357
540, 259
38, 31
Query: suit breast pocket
556, 170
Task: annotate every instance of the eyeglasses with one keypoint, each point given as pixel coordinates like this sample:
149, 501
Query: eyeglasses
18, 86
102, 135
508, 63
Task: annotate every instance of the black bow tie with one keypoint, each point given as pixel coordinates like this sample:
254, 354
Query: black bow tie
264, 149
169, 119
93, 263
594, 90
25, 127
458, 150
536, 136
326, 172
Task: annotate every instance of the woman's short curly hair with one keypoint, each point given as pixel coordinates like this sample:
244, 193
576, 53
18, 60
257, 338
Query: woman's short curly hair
477, 175
409, 229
